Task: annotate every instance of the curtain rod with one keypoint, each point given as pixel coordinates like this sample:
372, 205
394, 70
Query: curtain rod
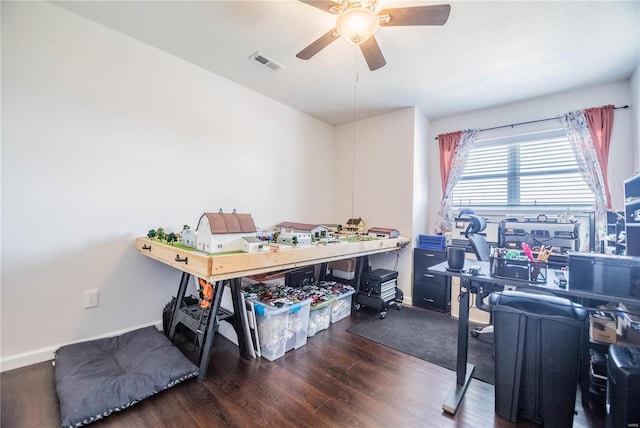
531, 121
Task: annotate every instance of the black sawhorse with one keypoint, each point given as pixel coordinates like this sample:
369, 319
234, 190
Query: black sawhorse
204, 322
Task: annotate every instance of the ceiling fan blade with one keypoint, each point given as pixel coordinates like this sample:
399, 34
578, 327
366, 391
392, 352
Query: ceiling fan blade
325, 5
318, 45
372, 54
418, 15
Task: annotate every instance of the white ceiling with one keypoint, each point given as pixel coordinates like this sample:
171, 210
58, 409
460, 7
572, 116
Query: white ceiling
488, 53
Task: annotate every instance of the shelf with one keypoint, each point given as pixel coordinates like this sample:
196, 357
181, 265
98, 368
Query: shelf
632, 186
632, 215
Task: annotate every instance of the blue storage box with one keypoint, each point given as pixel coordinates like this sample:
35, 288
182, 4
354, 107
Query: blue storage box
432, 242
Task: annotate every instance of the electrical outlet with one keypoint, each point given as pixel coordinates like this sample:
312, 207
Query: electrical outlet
90, 298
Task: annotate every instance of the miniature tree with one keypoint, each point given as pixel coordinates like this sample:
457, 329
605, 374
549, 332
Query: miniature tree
171, 238
294, 240
151, 234
161, 234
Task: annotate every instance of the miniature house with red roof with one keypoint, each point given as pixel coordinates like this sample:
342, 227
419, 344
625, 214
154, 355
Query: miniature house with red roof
383, 232
222, 232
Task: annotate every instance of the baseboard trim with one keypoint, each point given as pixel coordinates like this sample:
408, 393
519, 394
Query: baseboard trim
46, 354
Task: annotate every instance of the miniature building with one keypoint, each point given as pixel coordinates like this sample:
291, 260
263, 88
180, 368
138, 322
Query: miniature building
332, 228
294, 239
221, 232
381, 232
188, 238
315, 230
252, 244
354, 225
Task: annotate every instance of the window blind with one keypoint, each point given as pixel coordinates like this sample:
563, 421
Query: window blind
535, 169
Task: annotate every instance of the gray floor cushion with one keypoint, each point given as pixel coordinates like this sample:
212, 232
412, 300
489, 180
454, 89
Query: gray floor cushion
99, 377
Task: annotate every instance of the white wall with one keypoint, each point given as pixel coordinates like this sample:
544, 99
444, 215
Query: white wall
104, 138
373, 178
617, 93
421, 161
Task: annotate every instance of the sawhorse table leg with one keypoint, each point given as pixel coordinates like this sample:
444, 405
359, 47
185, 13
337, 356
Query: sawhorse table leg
238, 321
182, 290
463, 369
210, 331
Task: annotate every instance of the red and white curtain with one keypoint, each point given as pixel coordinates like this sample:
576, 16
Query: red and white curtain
454, 150
590, 134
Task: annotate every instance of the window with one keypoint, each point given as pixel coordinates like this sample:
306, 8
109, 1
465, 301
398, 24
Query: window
531, 170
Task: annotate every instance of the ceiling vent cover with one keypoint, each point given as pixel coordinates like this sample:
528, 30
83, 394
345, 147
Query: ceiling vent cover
266, 61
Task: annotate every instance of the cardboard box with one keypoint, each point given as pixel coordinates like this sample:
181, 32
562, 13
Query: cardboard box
602, 327
629, 324
346, 265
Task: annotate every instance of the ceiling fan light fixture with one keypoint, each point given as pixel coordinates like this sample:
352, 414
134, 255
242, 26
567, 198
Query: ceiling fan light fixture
357, 24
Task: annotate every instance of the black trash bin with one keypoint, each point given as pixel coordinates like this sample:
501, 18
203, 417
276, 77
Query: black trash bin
537, 346
623, 386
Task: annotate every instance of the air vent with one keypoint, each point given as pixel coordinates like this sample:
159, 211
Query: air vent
266, 61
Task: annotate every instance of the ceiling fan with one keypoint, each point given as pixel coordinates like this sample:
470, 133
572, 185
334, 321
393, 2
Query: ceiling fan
357, 22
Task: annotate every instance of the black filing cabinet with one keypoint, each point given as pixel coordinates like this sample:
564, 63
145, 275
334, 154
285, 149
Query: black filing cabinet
430, 290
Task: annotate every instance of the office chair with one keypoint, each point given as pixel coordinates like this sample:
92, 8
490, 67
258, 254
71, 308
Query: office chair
481, 249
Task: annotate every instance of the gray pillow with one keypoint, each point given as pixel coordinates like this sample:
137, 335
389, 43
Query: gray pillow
96, 378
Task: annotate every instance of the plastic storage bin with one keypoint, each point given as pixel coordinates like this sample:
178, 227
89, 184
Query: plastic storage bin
537, 344
343, 269
319, 318
341, 306
281, 329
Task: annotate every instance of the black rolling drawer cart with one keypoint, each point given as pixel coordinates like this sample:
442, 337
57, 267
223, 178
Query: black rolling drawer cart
430, 291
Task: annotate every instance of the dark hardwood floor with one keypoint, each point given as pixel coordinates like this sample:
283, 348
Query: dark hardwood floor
337, 379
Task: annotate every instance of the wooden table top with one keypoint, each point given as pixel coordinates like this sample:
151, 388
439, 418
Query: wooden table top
217, 267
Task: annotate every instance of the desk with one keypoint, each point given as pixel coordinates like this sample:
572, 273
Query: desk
463, 368
227, 269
